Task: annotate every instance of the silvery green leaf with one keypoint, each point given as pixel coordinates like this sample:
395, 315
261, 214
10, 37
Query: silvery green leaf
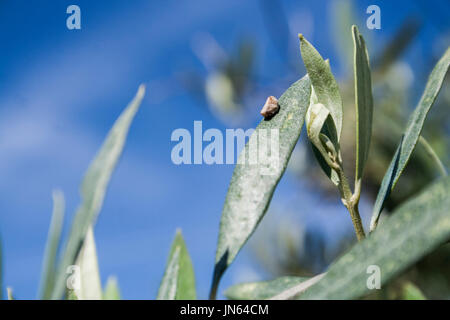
93, 189
411, 136
415, 229
326, 92
252, 185
363, 103
168, 288
324, 84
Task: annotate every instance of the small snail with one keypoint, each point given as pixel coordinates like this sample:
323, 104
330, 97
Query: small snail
270, 108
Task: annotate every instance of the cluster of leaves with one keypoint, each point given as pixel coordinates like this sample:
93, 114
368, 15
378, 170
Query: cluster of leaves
415, 229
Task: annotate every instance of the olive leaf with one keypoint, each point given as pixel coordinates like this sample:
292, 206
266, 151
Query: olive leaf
112, 291
93, 189
363, 103
168, 288
251, 187
326, 92
325, 86
178, 282
411, 136
414, 230
52, 246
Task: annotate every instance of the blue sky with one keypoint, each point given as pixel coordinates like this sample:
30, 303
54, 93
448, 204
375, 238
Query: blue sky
61, 90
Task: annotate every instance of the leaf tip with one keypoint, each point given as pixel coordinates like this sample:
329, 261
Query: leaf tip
141, 91
178, 233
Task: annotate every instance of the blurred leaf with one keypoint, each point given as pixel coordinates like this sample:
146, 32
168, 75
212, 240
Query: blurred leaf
411, 135
178, 282
251, 187
52, 246
324, 84
278, 29
93, 189
415, 229
91, 288
412, 292
112, 291
343, 15
397, 45
363, 102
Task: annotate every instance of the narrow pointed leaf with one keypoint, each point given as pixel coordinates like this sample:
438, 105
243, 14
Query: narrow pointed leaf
411, 136
178, 282
324, 83
252, 185
91, 288
112, 291
398, 43
93, 189
52, 246
344, 13
363, 102
264, 289
414, 230
168, 288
